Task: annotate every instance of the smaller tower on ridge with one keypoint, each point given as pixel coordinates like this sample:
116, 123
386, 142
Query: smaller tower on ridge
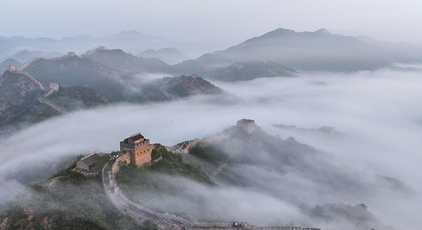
11, 68
247, 125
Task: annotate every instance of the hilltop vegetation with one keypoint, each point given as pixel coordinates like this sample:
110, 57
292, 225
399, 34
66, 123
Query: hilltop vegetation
68, 200
132, 178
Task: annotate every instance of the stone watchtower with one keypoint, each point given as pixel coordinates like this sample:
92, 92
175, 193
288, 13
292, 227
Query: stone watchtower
54, 86
247, 125
11, 68
139, 148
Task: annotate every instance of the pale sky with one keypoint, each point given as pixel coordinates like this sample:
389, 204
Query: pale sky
228, 22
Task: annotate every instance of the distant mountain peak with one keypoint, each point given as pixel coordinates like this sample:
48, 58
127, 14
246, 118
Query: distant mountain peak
322, 31
281, 32
317, 51
24, 51
278, 33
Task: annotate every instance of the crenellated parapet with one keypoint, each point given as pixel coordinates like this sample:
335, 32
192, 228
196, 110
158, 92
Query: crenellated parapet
89, 52
30, 77
28, 63
69, 54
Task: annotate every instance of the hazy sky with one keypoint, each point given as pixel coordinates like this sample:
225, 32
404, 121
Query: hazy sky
218, 21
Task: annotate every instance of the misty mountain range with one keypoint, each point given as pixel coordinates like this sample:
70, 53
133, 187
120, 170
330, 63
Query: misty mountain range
99, 83
408, 48
123, 40
305, 51
316, 51
120, 76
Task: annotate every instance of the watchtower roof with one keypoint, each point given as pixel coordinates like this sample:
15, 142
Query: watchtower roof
137, 136
91, 159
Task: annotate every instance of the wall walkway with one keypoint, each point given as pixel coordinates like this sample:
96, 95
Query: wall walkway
165, 221
53, 105
136, 211
30, 77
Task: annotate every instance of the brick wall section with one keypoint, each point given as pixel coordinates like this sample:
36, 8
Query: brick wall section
142, 155
119, 161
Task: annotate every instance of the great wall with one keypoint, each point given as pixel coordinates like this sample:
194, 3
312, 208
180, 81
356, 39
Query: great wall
53, 105
69, 54
54, 87
140, 213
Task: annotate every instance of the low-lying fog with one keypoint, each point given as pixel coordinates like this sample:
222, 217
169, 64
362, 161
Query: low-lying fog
378, 116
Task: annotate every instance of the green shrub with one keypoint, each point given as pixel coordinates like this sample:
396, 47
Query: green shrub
209, 153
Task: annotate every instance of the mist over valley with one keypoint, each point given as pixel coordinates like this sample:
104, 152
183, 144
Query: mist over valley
378, 132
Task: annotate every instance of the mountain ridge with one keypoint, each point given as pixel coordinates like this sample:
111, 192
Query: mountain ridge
315, 51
